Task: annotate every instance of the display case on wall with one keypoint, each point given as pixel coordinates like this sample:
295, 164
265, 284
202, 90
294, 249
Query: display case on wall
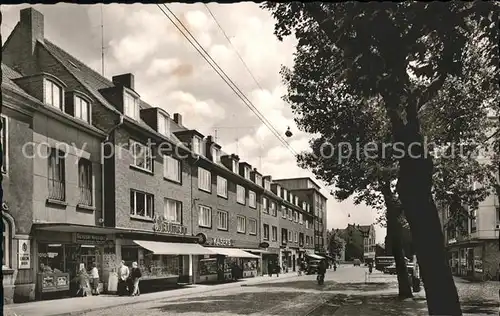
208, 266
159, 266
53, 282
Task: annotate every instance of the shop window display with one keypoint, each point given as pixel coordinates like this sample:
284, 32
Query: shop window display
152, 266
208, 266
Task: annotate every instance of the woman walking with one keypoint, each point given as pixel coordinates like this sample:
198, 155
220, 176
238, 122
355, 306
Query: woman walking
136, 276
94, 274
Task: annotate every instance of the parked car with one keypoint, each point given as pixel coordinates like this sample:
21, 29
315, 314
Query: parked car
392, 268
357, 263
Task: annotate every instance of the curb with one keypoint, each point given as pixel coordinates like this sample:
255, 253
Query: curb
234, 285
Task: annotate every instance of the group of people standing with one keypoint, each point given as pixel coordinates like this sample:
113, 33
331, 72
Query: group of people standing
128, 279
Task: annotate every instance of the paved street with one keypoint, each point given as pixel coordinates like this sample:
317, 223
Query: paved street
344, 293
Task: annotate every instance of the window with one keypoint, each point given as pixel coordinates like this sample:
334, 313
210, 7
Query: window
264, 205
240, 194
284, 236
131, 106
304, 206
296, 237
241, 224
143, 158
301, 219
290, 236
221, 186
307, 239
56, 175
222, 223
266, 232
297, 200
290, 214
204, 180
6, 241
197, 148
307, 224
296, 216
252, 199
283, 211
173, 211
82, 109
215, 154
4, 140
163, 125
172, 168
252, 226
267, 185
204, 216
141, 204
258, 179
85, 181
274, 209
52, 94
284, 194
473, 221
235, 166
274, 233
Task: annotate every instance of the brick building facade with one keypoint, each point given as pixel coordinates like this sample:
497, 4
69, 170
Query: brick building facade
134, 183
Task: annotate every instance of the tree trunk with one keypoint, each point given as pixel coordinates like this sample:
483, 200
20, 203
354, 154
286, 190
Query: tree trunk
414, 190
394, 231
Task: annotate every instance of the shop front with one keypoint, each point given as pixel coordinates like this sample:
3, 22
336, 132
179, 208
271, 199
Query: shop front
225, 261
466, 259
61, 255
270, 258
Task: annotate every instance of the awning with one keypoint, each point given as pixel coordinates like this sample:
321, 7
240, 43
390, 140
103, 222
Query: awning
315, 256
257, 251
171, 248
234, 253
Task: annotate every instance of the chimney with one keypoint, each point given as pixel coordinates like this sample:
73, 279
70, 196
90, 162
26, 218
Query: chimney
210, 139
125, 80
178, 119
32, 24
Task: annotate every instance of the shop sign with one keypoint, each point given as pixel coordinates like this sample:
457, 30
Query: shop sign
89, 239
202, 238
162, 225
264, 245
217, 241
24, 254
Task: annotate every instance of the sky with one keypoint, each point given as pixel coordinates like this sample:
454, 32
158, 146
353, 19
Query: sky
171, 74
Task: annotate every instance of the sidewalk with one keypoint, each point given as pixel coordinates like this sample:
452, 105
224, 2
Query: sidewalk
77, 305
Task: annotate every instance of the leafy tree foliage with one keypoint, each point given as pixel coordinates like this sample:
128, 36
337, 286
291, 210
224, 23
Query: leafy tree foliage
391, 58
335, 242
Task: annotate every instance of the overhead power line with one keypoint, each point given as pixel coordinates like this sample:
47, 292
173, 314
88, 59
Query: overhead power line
223, 75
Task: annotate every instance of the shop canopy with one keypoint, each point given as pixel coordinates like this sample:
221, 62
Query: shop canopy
170, 248
234, 253
315, 256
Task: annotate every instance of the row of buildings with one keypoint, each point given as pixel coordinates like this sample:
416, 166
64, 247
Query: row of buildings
93, 174
359, 242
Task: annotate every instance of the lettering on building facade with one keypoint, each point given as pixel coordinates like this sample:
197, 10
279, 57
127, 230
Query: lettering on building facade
217, 241
89, 239
162, 225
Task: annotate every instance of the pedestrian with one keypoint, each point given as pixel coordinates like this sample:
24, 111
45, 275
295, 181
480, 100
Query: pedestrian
270, 268
278, 269
123, 275
82, 280
94, 274
135, 277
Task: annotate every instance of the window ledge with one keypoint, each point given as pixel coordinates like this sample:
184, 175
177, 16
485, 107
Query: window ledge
222, 229
206, 191
85, 207
57, 202
241, 232
172, 181
150, 172
141, 218
222, 196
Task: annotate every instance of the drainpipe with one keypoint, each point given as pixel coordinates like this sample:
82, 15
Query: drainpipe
112, 129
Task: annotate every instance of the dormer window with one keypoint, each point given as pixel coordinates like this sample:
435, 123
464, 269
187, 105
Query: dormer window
258, 180
246, 172
235, 166
163, 124
267, 185
215, 154
52, 94
131, 106
82, 109
197, 145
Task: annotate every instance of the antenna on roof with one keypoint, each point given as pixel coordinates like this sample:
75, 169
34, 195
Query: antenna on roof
102, 42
